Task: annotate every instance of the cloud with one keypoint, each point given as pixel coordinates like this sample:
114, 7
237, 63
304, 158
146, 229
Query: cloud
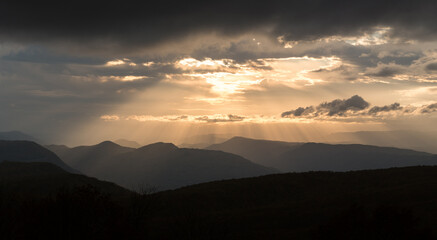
128, 25
214, 118
335, 107
432, 66
356, 108
110, 117
300, 111
228, 118
386, 108
385, 70
356, 112
429, 108
339, 107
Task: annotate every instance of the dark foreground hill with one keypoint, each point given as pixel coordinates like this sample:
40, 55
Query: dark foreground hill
162, 165
300, 157
43, 179
396, 203
42, 201
26, 151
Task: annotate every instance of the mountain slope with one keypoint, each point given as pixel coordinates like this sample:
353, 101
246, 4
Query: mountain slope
127, 143
88, 158
203, 141
327, 157
262, 152
15, 136
43, 179
420, 141
25, 151
161, 164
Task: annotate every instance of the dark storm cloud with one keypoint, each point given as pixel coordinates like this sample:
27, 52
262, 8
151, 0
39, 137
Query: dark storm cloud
126, 25
336, 107
44, 55
339, 106
356, 107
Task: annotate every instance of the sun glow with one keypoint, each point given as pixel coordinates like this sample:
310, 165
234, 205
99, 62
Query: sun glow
228, 79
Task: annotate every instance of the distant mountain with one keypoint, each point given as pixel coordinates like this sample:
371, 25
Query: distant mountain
43, 179
57, 148
16, 135
88, 159
26, 151
203, 141
421, 141
300, 157
262, 152
346, 157
161, 164
127, 143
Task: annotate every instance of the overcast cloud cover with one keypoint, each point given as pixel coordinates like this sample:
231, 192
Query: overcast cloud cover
128, 24
69, 64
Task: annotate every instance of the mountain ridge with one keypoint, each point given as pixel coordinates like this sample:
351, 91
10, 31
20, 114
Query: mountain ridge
27, 151
16, 136
313, 156
258, 150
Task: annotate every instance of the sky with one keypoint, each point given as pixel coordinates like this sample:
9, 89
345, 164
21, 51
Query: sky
79, 73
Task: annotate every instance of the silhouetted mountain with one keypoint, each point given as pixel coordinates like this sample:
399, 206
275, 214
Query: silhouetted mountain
421, 141
127, 143
15, 136
43, 179
88, 158
397, 203
298, 157
327, 157
160, 164
25, 151
57, 148
262, 152
203, 141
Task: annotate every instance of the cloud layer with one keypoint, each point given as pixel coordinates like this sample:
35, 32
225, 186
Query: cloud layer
356, 107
